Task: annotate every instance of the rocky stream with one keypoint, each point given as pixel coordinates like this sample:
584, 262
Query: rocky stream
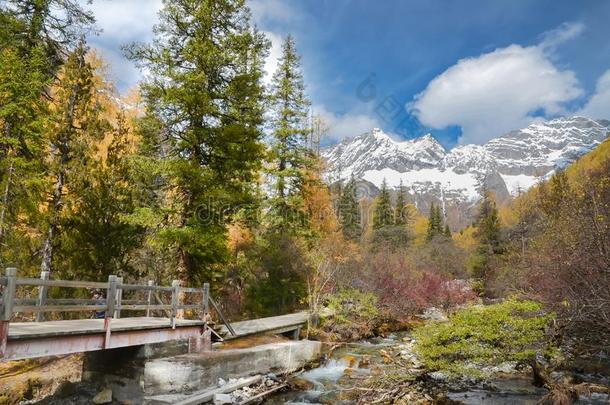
378, 370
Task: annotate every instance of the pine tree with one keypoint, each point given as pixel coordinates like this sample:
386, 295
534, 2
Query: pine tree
488, 224
97, 240
349, 211
447, 232
435, 222
487, 233
35, 35
76, 125
289, 154
402, 212
384, 214
202, 131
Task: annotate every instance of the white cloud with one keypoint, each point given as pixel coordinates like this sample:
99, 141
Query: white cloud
121, 23
264, 11
598, 105
499, 91
126, 20
345, 125
275, 52
565, 32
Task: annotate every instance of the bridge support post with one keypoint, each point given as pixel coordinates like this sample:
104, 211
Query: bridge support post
42, 295
201, 344
118, 297
175, 294
110, 297
149, 297
7, 306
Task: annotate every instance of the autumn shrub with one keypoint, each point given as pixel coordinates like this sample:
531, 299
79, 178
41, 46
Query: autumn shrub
403, 290
483, 336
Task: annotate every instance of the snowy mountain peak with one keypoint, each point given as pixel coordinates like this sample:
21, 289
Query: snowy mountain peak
507, 164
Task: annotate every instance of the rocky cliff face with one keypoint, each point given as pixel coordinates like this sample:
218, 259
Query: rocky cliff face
506, 165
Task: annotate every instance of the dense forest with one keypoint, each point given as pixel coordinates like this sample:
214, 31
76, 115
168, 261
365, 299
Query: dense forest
206, 174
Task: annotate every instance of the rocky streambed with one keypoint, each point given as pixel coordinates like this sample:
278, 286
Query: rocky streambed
386, 370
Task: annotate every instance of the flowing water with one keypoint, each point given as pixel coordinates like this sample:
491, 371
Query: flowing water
343, 372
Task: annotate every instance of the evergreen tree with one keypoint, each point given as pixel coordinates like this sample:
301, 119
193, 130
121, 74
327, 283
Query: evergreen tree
402, 212
488, 224
76, 125
447, 232
202, 128
97, 240
34, 37
289, 154
435, 222
487, 233
349, 211
384, 214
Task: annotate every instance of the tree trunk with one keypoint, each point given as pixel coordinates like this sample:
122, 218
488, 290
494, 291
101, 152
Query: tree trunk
64, 152
47, 251
5, 198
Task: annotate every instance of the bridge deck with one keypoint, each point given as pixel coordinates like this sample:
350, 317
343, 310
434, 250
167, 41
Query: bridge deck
32, 330
29, 330
35, 339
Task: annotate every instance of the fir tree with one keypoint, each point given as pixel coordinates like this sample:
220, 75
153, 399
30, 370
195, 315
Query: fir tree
488, 224
97, 239
487, 233
35, 35
76, 125
384, 214
435, 222
447, 232
202, 128
402, 212
349, 211
290, 156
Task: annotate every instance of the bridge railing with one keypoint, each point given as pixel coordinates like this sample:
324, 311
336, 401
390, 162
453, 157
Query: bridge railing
110, 306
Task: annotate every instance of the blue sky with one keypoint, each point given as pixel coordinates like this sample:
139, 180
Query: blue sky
466, 70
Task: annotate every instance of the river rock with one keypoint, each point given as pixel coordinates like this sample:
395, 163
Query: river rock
65, 389
222, 399
300, 384
434, 314
103, 397
438, 376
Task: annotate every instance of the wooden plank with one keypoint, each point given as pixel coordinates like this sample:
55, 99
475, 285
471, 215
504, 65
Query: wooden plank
191, 290
145, 307
137, 287
273, 324
257, 398
61, 283
207, 396
58, 301
34, 282
59, 308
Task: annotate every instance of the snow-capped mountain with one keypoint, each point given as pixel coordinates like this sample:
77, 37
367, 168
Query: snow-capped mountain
505, 165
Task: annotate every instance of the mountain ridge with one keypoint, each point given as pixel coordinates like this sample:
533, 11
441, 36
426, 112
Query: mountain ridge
506, 165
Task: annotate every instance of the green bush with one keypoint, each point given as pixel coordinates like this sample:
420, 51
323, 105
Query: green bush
354, 314
483, 335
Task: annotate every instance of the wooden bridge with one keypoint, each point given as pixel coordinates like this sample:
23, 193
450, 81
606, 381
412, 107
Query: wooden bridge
28, 339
